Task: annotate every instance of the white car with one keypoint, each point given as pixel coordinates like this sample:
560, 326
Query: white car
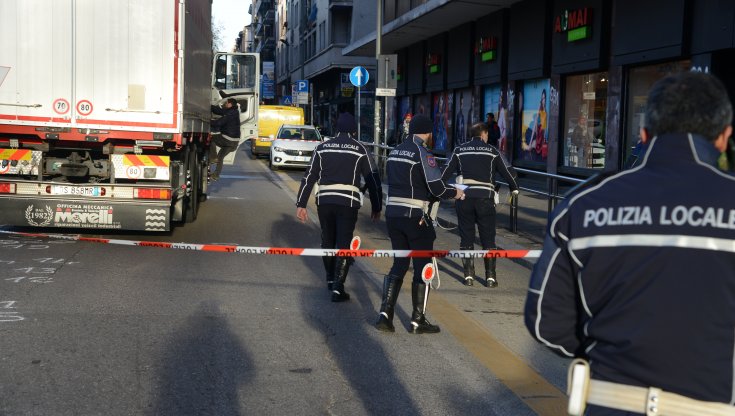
293, 146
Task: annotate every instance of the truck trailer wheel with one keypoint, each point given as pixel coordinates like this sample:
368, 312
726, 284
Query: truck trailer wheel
193, 169
203, 183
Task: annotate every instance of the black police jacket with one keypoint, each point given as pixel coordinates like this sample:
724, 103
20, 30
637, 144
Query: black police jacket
342, 160
413, 173
229, 123
637, 274
479, 161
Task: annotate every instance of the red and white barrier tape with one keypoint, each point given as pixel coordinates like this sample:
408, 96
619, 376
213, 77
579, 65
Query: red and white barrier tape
290, 251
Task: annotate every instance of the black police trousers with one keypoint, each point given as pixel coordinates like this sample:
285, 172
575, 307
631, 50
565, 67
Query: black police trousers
337, 223
480, 211
409, 234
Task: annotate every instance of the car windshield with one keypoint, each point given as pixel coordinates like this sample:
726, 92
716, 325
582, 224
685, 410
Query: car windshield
299, 134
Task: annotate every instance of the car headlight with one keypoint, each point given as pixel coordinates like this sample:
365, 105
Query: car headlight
278, 149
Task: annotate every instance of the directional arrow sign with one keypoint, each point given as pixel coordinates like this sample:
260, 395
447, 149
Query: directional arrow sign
359, 76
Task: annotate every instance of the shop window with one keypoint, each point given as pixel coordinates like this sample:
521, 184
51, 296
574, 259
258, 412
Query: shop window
640, 81
585, 109
532, 145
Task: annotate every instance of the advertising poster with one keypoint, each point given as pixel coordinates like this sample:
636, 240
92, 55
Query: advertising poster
442, 105
423, 105
268, 85
496, 102
532, 145
463, 117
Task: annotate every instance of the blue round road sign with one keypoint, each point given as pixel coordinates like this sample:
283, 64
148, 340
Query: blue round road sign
359, 76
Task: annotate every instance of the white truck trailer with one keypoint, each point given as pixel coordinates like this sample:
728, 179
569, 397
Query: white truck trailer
105, 111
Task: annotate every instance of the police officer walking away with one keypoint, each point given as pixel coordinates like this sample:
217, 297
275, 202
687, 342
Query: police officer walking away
637, 274
229, 127
414, 184
476, 163
335, 171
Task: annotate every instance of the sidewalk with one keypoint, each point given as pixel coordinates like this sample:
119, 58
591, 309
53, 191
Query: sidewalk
532, 220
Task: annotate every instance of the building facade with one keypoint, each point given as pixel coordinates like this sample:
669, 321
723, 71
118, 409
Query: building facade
567, 80
311, 37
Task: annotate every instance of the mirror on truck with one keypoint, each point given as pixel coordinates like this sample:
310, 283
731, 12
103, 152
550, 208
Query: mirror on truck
220, 72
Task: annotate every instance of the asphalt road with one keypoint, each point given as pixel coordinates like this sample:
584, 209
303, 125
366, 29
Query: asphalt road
93, 329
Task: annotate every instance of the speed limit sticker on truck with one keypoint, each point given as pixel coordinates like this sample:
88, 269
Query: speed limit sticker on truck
151, 167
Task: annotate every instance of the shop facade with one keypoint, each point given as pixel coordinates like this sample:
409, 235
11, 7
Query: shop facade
566, 80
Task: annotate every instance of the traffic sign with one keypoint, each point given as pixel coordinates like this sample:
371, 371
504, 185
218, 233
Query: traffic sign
385, 92
302, 86
359, 76
287, 100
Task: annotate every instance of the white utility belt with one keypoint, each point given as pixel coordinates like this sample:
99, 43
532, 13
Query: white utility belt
431, 209
323, 190
471, 183
650, 401
474, 184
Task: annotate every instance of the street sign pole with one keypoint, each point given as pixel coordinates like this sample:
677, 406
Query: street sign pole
359, 76
378, 47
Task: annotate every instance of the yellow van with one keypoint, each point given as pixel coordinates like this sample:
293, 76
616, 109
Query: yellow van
270, 119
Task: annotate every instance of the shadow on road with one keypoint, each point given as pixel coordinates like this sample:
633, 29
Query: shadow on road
353, 347
203, 369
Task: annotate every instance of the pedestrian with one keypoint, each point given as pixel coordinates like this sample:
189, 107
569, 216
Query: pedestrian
637, 274
229, 127
493, 130
414, 185
335, 170
476, 163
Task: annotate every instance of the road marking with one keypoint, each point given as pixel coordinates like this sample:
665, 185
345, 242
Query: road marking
537, 393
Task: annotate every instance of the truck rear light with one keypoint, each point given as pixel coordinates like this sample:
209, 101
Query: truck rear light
7, 188
151, 193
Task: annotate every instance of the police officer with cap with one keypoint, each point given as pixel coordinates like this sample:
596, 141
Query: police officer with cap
476, 163
415, 184
335, 171
637, 276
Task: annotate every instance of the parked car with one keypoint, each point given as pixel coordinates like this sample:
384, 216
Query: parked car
294, 145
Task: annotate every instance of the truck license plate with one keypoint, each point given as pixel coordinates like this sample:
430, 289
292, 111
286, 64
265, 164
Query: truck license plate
75, 190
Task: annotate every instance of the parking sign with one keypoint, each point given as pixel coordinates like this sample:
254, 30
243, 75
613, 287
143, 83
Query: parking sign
302, 86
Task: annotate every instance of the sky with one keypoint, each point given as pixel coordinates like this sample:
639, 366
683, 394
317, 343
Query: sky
232, 16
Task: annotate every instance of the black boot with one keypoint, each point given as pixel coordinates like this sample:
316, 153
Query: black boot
491, 279
391, 287
341, 267
329, 267
419, 323
469, 271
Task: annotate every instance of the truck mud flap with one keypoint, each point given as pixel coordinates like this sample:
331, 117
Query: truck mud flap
37, 212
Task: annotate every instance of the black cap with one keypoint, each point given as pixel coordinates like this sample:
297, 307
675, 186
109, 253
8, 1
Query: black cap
346, 123
420, 124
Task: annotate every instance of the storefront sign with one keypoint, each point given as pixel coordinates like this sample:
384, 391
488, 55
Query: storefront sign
486, 48
433, 61
576, 23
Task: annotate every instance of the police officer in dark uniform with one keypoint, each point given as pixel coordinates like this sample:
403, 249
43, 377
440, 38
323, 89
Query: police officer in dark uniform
229, 127
335, 170
476, 163
414, 184
637, 274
